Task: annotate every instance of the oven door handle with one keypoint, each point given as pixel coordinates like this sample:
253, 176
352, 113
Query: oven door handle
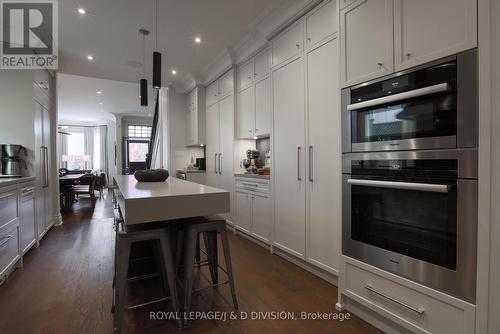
442, 87
429, 187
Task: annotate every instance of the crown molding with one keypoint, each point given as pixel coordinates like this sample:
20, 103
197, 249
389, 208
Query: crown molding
274, 19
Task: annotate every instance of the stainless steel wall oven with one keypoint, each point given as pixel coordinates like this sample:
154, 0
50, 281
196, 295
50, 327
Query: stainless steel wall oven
428, 107
414, 213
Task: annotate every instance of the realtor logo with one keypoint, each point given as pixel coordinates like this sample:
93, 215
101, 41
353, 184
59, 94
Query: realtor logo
29, 34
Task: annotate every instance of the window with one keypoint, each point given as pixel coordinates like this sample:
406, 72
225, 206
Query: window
137, 151
76, 157
139, 131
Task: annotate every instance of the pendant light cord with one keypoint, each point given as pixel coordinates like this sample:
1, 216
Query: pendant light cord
144, 55
156, 20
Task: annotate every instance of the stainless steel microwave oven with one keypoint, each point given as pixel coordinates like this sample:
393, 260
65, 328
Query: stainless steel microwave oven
433, 106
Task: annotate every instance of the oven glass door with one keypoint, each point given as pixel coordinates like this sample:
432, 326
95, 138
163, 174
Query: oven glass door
423, 117
412, 218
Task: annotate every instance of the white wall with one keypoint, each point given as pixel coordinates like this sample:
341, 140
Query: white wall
17, 109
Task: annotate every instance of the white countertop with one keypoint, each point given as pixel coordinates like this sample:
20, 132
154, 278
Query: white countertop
143, 202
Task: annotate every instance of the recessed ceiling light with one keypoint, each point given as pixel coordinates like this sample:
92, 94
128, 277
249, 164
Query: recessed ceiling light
255, 137
100, 103
82, 11
197, 40
99, 92
149, 115
174, 72
90, 57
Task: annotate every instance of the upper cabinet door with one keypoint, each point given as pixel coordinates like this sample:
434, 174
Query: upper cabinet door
431, 29
226, 84
288, 44
263, 107
321, 23
245, 74
261, 65
212, 93
366, 41
245, 113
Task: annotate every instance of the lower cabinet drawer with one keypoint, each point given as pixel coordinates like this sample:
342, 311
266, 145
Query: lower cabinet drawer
8, 206
249, 184
9, 247
419, 312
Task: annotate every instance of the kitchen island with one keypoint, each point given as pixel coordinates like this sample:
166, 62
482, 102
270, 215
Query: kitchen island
144, 202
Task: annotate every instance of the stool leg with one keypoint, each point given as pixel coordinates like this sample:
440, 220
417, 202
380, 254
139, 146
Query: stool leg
198, 252
169, 272
189, 260
160, 266
229, 266
121, 282
211, 247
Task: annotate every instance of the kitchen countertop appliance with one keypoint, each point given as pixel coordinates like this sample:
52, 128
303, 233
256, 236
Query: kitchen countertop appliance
12, 159
250, 163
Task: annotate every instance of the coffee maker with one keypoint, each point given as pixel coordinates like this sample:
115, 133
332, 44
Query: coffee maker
250, 163
12, 159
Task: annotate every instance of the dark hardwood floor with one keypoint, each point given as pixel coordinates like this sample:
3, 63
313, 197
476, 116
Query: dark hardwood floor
65, 287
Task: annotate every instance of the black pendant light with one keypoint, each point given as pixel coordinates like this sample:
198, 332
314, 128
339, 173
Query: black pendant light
144, 81
156, 57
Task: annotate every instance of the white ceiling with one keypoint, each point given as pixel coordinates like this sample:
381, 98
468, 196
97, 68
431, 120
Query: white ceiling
109, 32
78, 100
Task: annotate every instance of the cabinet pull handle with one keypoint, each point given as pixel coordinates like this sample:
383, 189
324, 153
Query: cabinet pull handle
298, 163
309, 39
220, 163
380, 64
310, 163
5, 240
46, 167
215, 163
419, 310
28, 192
297, 45
250, 184
408, 55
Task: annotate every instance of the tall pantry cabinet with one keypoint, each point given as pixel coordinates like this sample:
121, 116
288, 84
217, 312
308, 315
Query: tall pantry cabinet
306, 144
220, 134
43, 107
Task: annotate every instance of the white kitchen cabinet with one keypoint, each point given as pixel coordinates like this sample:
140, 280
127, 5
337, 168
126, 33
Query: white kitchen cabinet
431, 29
321, 23
9, 248
288, 44
261, 65
212, 93
263, 107
226, 85
8, 206
253, 208
253, 111
212, 146
44, 213
243, 211
366, 39
246, 113
289, 157
220, 136
413, 306
245, 74
195, 120
27, 226
261, 216
324, 157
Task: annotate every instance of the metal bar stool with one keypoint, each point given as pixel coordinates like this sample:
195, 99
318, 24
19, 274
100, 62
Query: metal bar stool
210, 227
126, 236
